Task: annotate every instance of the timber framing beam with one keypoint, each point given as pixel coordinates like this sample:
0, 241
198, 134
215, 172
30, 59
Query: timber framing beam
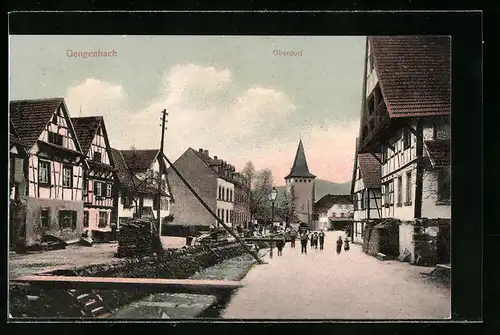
376, 157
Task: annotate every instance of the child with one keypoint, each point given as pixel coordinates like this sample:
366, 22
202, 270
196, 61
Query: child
346, 244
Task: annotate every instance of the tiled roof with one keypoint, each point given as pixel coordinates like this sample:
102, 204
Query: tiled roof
414, 74
15, 140
215, 163
139, 160
370, 170
126, 177
300, 168
85, 128
329, 200
31, 116
439, 152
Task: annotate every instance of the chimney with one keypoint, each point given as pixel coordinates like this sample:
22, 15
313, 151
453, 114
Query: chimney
215, 157
200, 150
205, 152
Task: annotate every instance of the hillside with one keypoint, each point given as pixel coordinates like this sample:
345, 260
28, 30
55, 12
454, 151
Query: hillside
324, 187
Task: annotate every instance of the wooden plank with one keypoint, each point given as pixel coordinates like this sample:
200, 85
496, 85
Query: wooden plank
132, 284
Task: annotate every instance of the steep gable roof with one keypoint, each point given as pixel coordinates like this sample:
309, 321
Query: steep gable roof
139, 160
85, 128
370, 170
414, 73
439, 152
299, 168
31, 116
126, 177
329, 200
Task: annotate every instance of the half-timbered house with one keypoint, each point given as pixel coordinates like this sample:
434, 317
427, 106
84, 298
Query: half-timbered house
137, 174
53, 169
98, 184
366, 193
407, 104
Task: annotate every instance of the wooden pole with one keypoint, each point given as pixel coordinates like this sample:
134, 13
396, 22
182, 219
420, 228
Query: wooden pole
160, 156
247, 249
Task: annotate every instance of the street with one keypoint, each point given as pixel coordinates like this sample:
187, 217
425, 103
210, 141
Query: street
324, 285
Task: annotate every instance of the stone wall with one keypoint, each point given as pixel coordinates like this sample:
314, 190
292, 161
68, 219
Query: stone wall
175, 264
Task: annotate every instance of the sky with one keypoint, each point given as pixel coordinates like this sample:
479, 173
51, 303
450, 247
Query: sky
234, 96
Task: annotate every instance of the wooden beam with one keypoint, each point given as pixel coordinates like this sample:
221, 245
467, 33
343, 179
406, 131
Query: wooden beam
376, 157
153, 285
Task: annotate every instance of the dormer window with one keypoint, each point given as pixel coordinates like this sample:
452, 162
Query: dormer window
55, 138
97, 156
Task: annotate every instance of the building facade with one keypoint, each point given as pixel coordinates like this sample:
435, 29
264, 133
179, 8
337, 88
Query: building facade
332, 211
407, 104
52, 168
302, 183
99, 179
223, 189
137, 194
366, 193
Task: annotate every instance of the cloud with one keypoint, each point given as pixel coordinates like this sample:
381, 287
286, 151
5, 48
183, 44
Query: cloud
329, 152
207, 110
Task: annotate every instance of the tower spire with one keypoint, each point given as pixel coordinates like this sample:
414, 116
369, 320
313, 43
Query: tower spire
299, 167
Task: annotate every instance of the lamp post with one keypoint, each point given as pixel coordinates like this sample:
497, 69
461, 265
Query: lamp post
272, 197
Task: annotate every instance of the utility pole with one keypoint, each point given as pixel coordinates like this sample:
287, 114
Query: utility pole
160, 179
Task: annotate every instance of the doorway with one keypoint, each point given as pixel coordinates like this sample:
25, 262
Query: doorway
443, 245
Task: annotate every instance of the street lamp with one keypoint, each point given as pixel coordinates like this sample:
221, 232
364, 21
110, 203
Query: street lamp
272, 197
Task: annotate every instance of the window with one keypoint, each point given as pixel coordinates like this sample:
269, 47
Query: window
400, 190
444, 185
98, 189
384, 155
43, 172
231, 195
45, 218
67, 219
222, 215
103, 219
67, 176
109, 187
97, 156
371, 104
218, 212
334, 215
408, 188
341, 215
86, 219
406, 138
389, 193
220, 193
363, 200
55, 138
227, 194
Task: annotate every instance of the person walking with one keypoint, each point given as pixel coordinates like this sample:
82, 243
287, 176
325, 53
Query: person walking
315, 240
303, 241
346, 244
321, 239
339, 245
312, 240
293, 236
280, 243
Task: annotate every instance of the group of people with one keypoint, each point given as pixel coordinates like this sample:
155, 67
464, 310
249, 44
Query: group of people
315, 238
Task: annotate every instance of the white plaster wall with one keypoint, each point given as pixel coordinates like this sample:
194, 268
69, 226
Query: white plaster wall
406, 239
225, 204
431, 208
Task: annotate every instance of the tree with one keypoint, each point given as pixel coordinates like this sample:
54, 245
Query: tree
143, 183
286, 209
262, 186
249, 172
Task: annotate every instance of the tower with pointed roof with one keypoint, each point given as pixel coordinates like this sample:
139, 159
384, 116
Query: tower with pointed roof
302, 183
